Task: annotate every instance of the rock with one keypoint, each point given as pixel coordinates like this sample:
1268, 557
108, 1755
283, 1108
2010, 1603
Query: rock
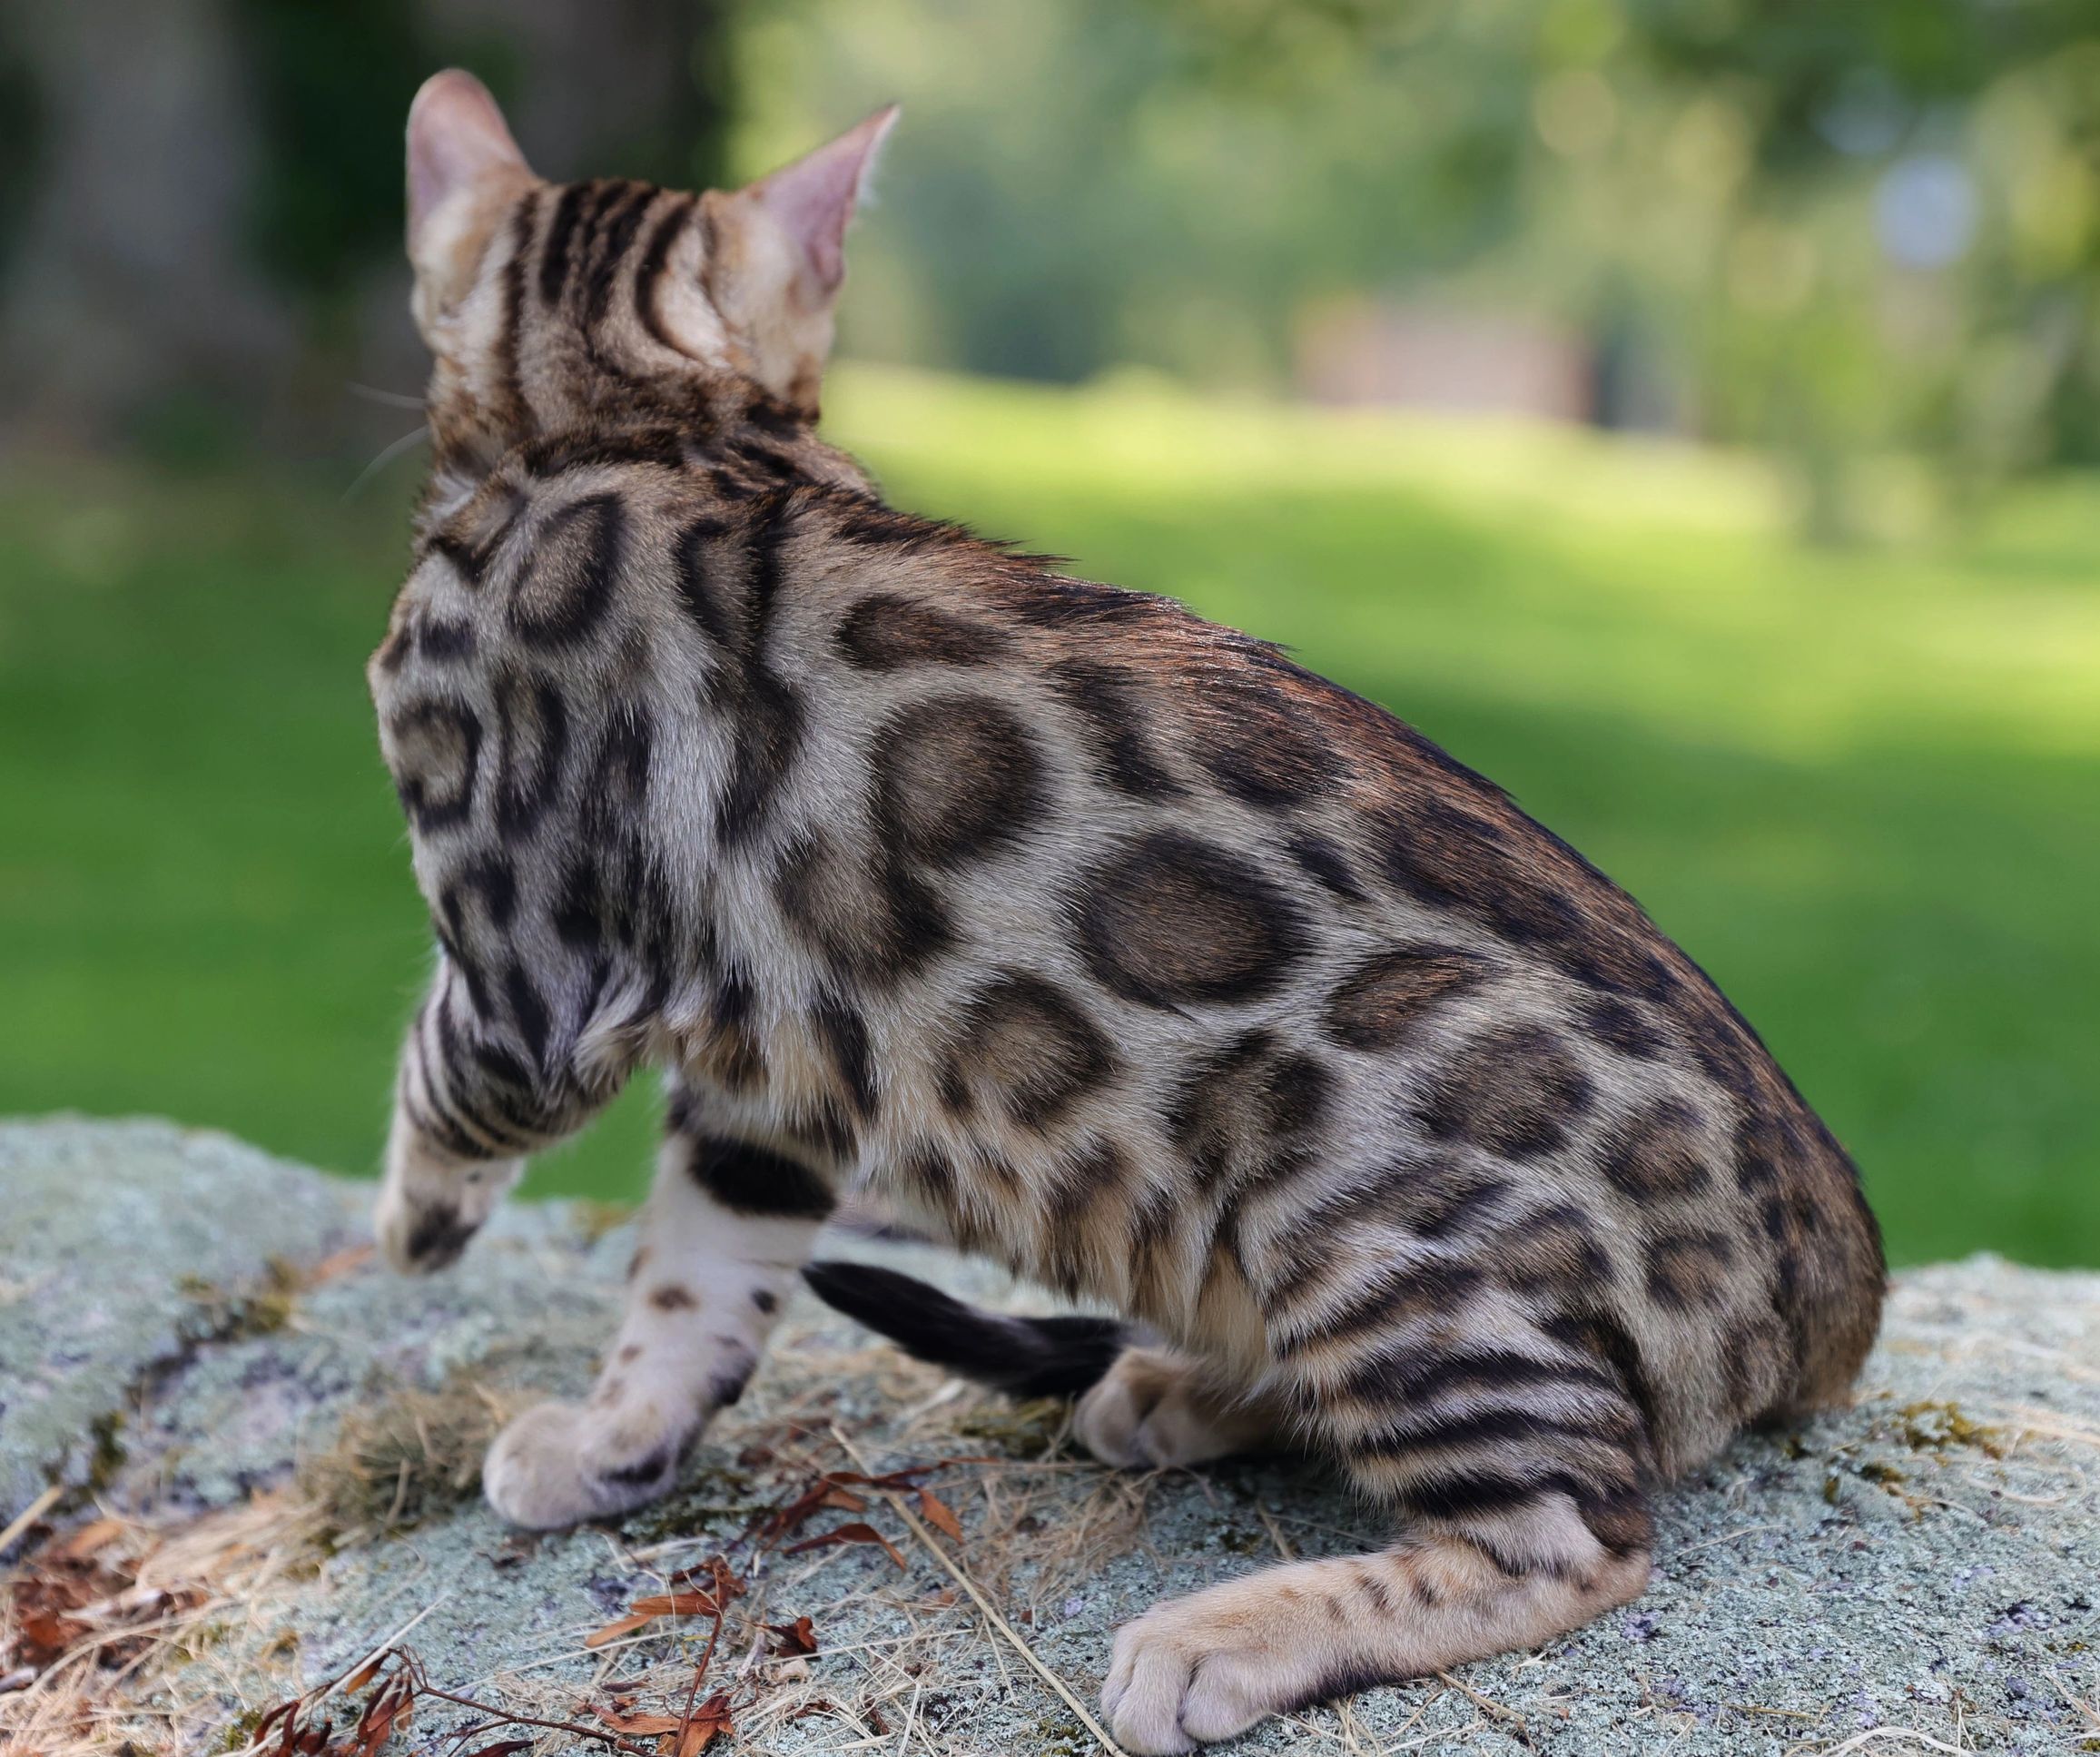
118, 1239
265, 1429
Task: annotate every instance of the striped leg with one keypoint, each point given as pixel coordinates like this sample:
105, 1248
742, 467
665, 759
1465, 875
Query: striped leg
728, 1227
1210, 1665
1514, 1457
468, 1109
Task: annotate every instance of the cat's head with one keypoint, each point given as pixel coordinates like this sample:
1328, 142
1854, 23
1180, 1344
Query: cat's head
549, 306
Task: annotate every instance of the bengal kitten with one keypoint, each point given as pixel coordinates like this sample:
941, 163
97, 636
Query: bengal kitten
1110, 941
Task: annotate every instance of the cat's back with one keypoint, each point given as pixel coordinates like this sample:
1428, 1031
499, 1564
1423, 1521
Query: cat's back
1373, 1004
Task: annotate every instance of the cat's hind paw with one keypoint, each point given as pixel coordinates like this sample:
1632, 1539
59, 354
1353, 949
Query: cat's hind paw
1152, 1410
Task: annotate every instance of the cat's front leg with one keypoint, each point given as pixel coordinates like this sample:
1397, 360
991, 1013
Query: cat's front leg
728, 1226
432, 1201
473, 1097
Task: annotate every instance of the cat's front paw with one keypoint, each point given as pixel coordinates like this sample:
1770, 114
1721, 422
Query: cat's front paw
559, 1463
429, 1208
1189, 1673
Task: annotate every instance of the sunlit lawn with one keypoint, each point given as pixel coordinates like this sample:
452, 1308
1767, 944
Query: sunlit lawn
1862, 787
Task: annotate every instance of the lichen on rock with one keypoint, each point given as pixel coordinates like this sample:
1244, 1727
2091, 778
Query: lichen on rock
265, 1445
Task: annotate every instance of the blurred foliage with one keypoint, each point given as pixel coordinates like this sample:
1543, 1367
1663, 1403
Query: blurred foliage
1833, 228
1836, 228
21, 105
329, 80
333, 81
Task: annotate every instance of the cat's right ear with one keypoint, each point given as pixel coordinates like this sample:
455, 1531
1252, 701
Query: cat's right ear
464, 169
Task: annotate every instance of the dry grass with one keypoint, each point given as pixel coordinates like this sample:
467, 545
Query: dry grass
414, 1455
142, 1618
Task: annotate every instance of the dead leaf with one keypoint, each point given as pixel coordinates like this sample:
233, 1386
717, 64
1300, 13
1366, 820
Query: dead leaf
854, 1533
97, 1534
618, 1626
710, 1721
364, 1675
43, 1635
387, 1711
796, 1637
641, 1725
714, 1576
939, 1514
691, 1604
341, 1262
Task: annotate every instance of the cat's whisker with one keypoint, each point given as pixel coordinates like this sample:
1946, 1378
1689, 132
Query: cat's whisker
390, 398
406, 442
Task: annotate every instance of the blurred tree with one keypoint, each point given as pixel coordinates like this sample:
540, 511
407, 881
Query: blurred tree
215, 214
1832, 228
128, 280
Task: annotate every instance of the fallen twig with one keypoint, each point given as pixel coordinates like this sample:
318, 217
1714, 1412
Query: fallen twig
984, 1604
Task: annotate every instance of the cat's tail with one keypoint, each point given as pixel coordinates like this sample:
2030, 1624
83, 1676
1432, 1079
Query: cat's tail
1023, 1356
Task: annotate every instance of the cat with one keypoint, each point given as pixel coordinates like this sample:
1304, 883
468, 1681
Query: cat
1111, 941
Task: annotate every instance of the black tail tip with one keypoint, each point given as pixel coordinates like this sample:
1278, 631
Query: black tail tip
1023, 1356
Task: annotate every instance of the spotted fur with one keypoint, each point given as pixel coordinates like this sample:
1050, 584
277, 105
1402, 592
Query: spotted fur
1112, 942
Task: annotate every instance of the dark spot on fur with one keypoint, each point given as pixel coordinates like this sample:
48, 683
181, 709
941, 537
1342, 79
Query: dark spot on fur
436, 751
876, 923
748, 1179
1258, 744
437, 1237
564, 586
1420, 1290
884, 632
672, 1297
1325, 863
532, 735
1620, 1024
1025, 1046
444, 641
845, 1035
1116, 727
825, 1130
1176, 920
1380, 1002
728, 1385
1552, 1251
955, 779
1687, 1269
643, 1470
1659, 1155
1250, 1111
1513, 1091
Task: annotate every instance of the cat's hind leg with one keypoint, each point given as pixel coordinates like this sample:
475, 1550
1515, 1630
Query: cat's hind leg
1157, 1407
727, 1226
1210, 1665
1517, 1465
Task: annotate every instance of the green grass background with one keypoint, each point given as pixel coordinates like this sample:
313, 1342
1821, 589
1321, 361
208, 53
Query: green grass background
1861, 786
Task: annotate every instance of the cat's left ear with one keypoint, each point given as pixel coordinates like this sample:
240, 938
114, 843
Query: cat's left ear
778, 258
463, 169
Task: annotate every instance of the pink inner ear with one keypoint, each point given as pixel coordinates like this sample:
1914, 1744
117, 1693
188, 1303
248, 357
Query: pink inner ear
457, 136
813, 199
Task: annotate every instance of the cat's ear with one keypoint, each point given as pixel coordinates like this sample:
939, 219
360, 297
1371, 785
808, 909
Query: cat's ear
779, 257
463, 168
